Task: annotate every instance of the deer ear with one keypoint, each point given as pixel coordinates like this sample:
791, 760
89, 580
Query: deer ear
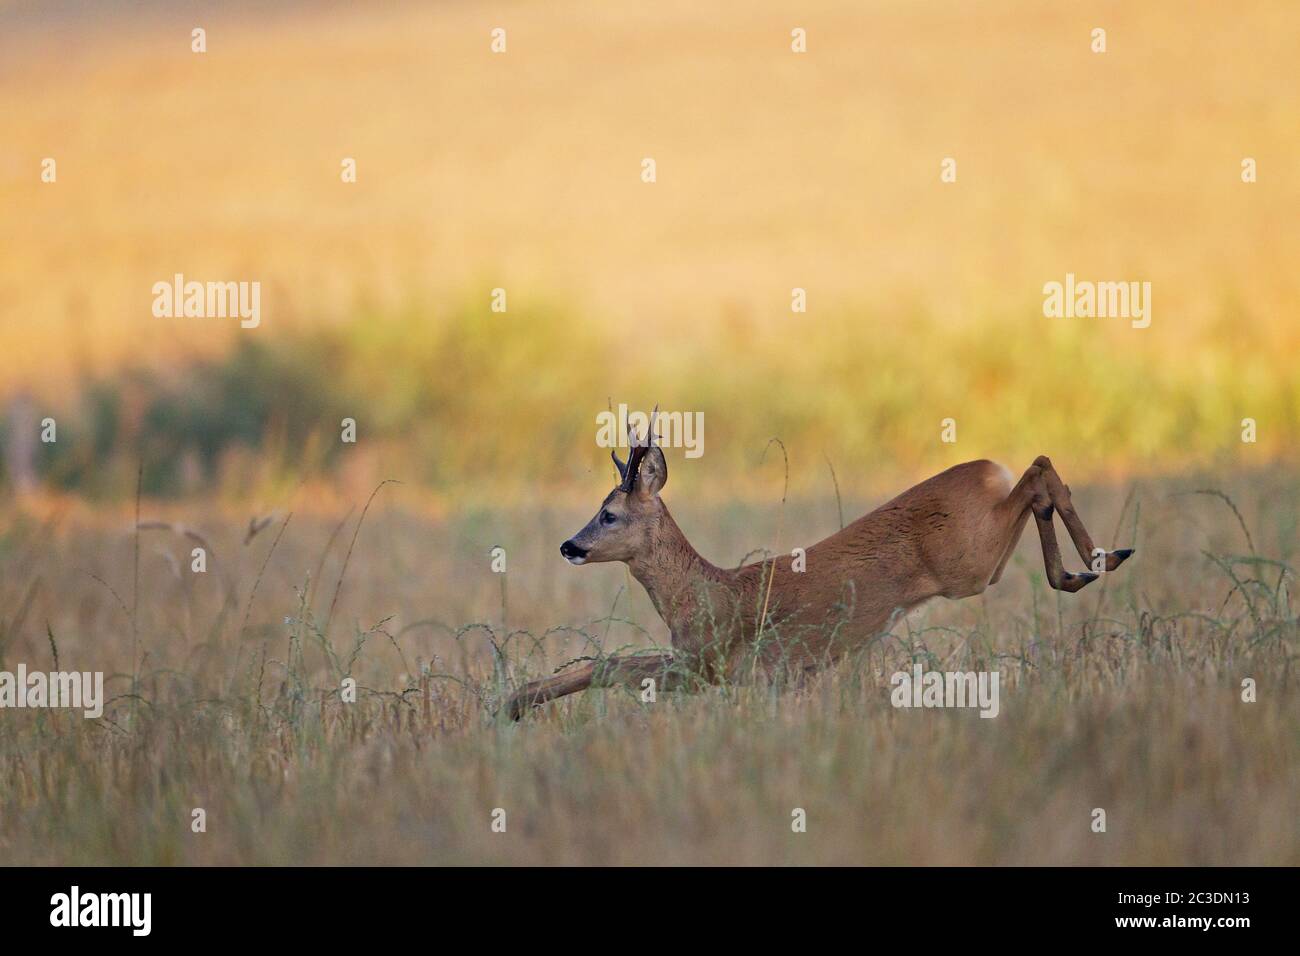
653, 475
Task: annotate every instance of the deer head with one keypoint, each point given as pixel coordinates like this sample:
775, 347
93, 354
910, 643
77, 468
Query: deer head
622, 527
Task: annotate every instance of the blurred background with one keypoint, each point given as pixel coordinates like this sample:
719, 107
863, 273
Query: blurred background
522, 171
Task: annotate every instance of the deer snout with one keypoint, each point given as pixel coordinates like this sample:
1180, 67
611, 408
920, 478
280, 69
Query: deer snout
572, 553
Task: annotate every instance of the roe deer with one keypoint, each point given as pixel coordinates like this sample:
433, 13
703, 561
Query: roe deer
949, 536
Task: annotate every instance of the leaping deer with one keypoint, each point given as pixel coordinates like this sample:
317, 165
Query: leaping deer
949, 536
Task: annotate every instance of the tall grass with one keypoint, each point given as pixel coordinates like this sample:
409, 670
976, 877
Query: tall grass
1126, 697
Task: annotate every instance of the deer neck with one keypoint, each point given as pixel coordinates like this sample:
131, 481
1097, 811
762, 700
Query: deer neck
673, 573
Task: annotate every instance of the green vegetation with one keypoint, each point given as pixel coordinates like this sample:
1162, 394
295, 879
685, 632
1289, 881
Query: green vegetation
475, 403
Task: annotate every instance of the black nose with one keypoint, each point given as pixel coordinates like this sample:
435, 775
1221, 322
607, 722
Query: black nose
571, 550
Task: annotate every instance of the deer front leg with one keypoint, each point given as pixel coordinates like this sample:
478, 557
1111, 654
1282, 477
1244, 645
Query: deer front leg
610, 672
535, 693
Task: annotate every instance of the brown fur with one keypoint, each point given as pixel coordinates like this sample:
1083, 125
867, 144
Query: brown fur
949, 536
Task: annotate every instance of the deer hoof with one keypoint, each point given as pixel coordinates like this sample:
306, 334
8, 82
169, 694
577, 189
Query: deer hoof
1074, 582
515, 707
1115, 558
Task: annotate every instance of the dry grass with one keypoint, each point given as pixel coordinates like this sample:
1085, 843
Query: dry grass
1124, 697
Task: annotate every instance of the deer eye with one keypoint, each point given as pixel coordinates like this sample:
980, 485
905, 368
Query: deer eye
608, 517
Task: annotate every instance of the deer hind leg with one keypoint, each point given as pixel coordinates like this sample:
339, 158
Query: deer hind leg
611, 672
1057, 576
1019, 518
1032, 494
1059, 492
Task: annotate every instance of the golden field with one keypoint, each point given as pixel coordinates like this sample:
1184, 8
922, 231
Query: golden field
775, 171
1125, 697
521, 171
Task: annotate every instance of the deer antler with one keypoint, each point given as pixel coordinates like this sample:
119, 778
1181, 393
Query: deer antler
640, 448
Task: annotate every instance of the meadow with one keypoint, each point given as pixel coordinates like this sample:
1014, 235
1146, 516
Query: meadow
924, 343
1127, 697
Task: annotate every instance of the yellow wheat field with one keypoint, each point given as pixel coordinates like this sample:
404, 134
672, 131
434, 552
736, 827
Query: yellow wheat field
775, 171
